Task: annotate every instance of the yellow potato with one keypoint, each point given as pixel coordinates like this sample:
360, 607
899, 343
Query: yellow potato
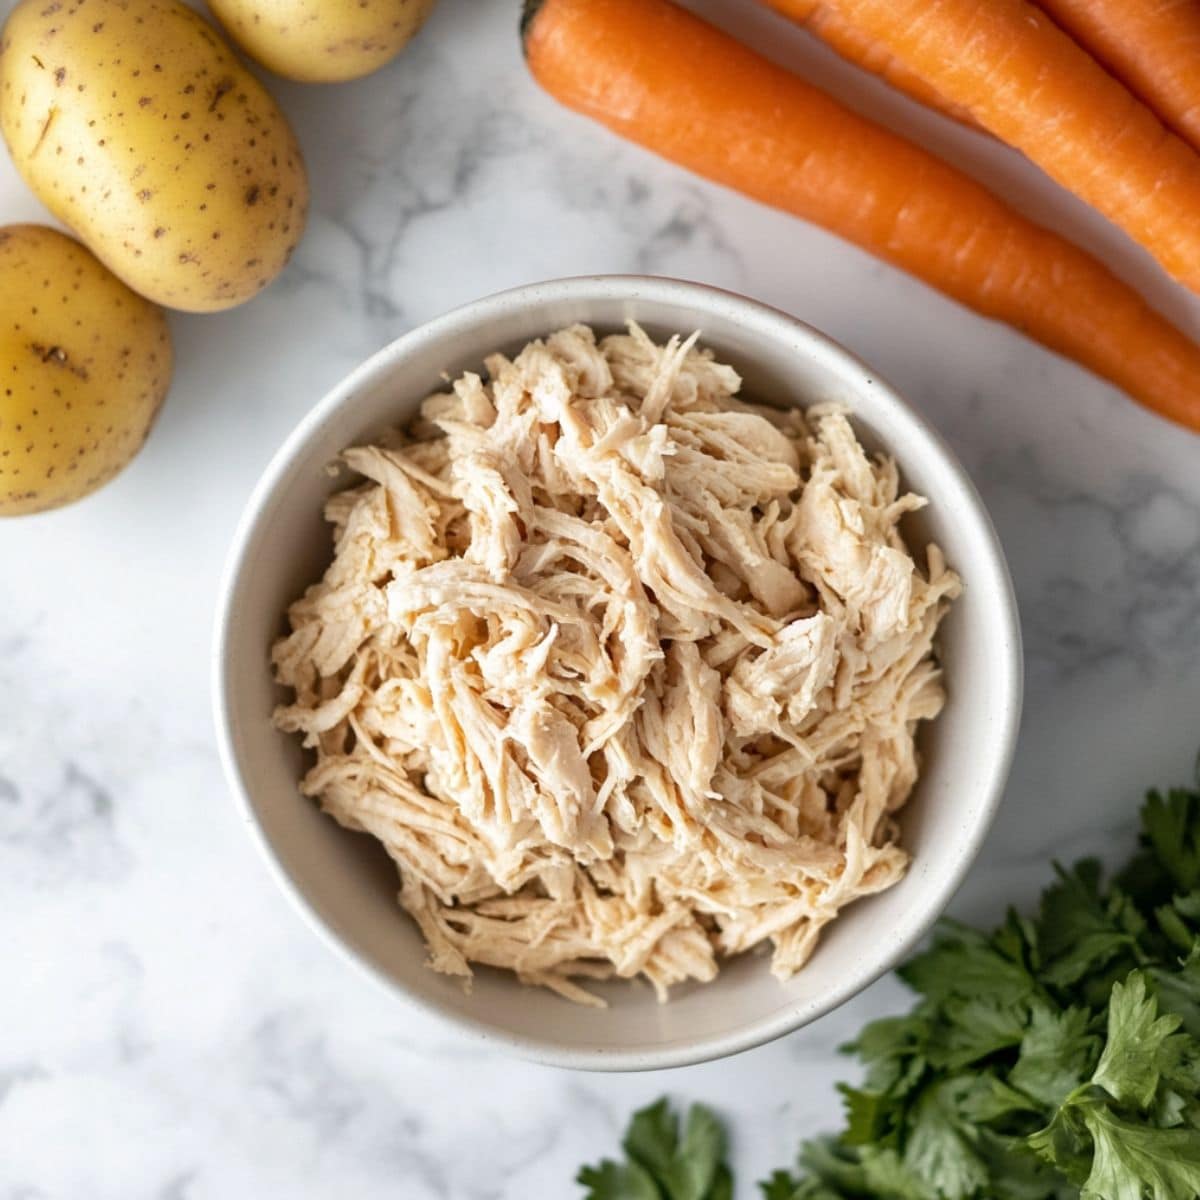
84, 367
321, 41
138, 127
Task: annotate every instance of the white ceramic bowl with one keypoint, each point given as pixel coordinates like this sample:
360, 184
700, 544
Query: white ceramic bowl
343, 882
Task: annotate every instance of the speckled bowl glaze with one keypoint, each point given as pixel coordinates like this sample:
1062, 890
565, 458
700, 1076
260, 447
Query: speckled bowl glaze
344, 884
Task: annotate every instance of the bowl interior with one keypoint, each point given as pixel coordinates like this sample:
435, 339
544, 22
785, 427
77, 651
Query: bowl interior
345, 881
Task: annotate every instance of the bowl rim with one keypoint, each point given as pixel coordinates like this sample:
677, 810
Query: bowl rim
704, 299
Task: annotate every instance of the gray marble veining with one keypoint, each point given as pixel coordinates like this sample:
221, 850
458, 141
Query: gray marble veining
171, 1030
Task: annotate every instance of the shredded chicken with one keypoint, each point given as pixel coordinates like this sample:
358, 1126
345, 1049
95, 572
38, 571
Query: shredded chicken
623, 672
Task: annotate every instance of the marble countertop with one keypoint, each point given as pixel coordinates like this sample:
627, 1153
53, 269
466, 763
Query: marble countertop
171, 1029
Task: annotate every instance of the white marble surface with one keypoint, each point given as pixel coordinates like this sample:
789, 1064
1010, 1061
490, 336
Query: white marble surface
170, 1028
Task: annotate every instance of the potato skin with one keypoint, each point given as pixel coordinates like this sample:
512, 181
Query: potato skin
137, 126
321, 41
84, 366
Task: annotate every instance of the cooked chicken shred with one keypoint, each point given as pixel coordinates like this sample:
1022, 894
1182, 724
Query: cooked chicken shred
623, 672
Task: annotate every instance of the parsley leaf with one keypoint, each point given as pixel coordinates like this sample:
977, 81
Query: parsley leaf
1133, 1160
855, 1173
1016, 1173
989, 1098
1140, 1044
1173, 926
653, 1137
692, 1173
659, 1166
1057, 1054
976, 1028
963, 962
1081, 931
783, 1186
779, 1186
1171, 827
870, 1116
1016, 940
893, 1050
721, 1187
1065, 1144
939, 1149
1178, 989
617, 1181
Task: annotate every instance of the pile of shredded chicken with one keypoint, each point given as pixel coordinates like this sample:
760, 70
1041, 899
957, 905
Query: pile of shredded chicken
622, 671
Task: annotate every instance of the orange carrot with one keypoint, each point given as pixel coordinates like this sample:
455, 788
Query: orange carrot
1027, 81
848, 41
1152, 45
661, 77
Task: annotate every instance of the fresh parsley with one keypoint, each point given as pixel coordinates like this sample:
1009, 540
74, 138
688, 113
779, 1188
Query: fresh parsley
1052, 1059
661, 1165
1055, 1058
